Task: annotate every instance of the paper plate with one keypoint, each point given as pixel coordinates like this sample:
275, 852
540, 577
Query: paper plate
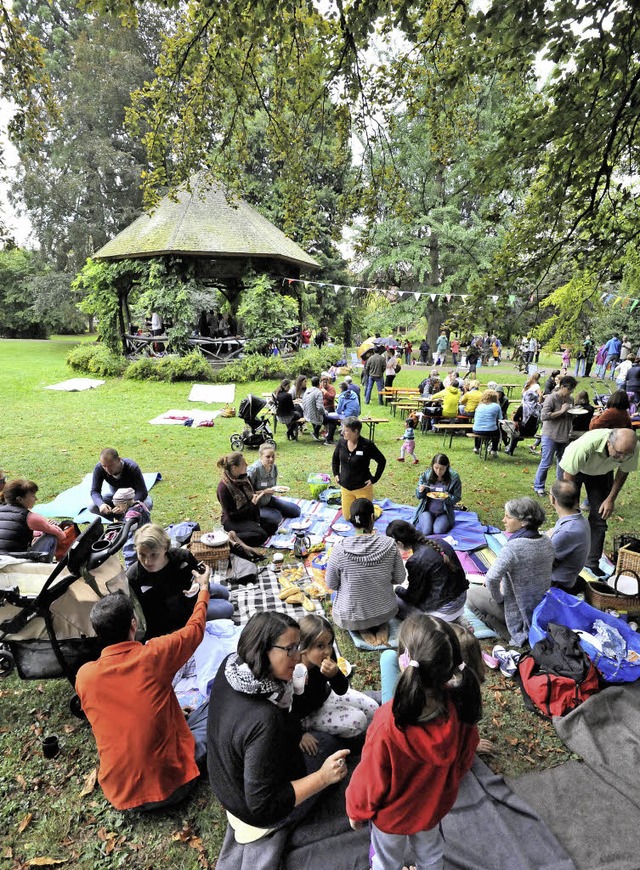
301, 525
342, 527
345, 666
577, 411
214, 539
281, 488
440, 495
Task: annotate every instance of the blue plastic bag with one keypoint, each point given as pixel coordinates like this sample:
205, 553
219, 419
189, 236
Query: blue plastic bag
558, 606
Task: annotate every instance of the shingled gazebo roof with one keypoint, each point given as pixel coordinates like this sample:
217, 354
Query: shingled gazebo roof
202, 223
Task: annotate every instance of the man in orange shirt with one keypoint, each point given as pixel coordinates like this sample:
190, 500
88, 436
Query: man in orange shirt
146, 748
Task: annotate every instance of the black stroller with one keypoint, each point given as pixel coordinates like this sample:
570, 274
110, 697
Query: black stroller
257, 431
45, 628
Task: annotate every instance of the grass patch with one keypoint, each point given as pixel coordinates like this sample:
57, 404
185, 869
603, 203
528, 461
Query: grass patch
54, 438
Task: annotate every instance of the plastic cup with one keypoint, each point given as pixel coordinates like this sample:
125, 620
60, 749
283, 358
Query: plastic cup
51, 746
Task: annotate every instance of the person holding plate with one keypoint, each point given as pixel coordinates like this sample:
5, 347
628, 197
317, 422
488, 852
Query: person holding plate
438, 491
263, 475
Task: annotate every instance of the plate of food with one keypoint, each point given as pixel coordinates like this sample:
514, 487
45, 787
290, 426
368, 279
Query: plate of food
301, 525
440, 495
577, 412
214, 539
342, 527
281, 488
345, 666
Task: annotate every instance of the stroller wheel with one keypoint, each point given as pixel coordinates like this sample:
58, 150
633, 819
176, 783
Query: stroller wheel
76, 707
6, 663
236, 442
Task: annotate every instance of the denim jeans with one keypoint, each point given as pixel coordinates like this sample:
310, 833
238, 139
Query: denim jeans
278, 508
433, 524
611, 360
426, 849
379, 382
549, 449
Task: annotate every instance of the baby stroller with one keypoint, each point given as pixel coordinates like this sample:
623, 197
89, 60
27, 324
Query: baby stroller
257, 431
45, 628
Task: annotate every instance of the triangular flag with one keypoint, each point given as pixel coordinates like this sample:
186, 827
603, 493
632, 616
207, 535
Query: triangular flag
495, 299
416, 296
512, 298
448, 297
464, 297
291, 280
336, 287
353, 289
616, 300
433, 297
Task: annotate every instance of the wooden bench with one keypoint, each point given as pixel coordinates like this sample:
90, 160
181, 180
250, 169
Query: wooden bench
451, 429
485, 441
372, 422
405, 406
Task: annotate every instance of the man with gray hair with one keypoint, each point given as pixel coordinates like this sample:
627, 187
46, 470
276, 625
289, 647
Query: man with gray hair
591, 460
571, 537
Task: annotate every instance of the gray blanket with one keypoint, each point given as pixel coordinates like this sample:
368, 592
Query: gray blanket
594, 807
489, 828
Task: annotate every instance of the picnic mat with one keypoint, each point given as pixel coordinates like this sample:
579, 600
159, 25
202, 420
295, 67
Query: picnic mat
76, 385
179, 418
263, 595
594, 806
489, 828
223, 393
322, 516
72, 502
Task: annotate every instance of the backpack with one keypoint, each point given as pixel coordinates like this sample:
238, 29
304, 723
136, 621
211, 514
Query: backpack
557, 675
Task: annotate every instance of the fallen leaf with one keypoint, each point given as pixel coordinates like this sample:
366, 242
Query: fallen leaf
89, 782
196, 843
22, 782
23, 824
111, 844
46, 862
8, 852
512, 741
69, 729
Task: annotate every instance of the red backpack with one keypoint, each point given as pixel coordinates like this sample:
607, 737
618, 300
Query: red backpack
557, 675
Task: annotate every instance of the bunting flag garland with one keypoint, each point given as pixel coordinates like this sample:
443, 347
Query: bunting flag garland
392, 293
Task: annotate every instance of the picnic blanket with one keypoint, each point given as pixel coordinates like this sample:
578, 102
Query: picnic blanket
489, 828
263, 595
599, 823
72, 502
223, 393
180, 418
76, 385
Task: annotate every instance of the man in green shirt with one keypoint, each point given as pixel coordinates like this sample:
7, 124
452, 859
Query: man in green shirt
592, 460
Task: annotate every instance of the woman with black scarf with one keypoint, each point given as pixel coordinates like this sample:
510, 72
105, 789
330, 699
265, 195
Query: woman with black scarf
239, 502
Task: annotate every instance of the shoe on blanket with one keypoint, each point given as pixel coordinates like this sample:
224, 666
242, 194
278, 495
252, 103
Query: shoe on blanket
508, 660
490, 661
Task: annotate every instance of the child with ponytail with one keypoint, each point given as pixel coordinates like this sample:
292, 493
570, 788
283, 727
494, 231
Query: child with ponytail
418, 748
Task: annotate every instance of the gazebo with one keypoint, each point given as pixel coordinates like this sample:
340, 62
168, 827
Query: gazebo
221, 238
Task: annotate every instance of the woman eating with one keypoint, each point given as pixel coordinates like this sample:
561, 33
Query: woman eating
518, 579
435, 514
351, 463
363, 570
436, 582
263, 475
240, 503
256, 767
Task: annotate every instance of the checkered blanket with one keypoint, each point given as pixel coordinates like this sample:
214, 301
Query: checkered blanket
263, 595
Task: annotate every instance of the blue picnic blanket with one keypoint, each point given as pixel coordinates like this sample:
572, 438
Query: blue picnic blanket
468, 533
73, 502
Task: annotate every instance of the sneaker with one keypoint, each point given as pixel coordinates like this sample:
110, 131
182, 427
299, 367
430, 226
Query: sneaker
490, 661
534, 451
475, 450
400, 458
540, 492
493, 453
508, 660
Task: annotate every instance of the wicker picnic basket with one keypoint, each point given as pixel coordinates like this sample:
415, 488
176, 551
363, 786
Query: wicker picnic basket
629, 558
208, 555
604, 596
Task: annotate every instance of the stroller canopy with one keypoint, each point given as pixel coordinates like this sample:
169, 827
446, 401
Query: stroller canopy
249, 409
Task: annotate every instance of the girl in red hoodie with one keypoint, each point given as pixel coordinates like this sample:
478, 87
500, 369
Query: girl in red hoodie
418, 748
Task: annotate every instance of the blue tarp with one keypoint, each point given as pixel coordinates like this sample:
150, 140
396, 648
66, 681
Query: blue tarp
72, 503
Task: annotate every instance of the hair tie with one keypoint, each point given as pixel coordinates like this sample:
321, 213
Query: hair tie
356, 519
462, 666
413, 663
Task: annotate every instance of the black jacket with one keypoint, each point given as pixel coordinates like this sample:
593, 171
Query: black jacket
317, 691
253, 754
15, 534
431, 583
353, 466
160, 594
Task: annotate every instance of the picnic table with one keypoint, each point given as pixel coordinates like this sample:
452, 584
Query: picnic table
372, 422
450, 430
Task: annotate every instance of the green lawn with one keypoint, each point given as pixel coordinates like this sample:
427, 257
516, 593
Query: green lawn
54, 438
